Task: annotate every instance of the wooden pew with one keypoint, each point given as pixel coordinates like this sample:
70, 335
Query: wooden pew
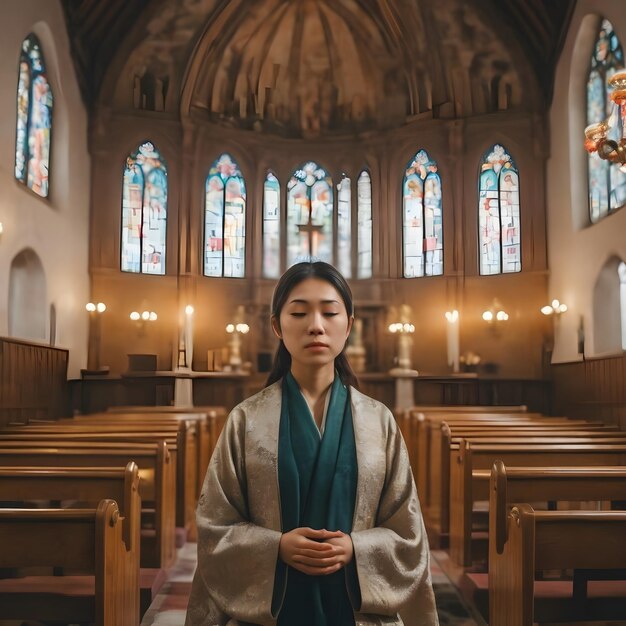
548, 540
510, 485
447, 436
471, 456
181, 437
89, 540
88, 485
435, 476
156, 485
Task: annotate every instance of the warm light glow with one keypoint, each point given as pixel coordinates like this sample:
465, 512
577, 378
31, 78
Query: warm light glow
145, 315
242, 328
230, 328
101, 307
135, 316
189, 310
153, 316
488, 316
1, 228
556, 307
90, 306
502, 316
452, 316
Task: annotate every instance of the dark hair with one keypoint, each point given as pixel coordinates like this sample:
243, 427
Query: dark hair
292, 277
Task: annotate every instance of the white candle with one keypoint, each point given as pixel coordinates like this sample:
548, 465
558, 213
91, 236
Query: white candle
189, 335
453, 339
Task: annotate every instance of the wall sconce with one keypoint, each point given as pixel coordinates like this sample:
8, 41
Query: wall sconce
141, 319
93, 351
403, 330
608, 138
555, 308
234, 345
495, 314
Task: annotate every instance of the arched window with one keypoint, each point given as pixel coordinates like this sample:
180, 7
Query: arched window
225, 220
607, 184
499, 213
309, 214
422, 218
271, 227
344, 226
34, 119
364, 220
144, 211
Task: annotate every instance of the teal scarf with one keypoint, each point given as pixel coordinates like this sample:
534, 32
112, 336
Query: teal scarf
317, 479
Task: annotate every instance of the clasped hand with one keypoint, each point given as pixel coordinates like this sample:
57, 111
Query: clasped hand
316, 552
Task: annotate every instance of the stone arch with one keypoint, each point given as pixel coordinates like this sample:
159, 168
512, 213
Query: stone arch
28, 307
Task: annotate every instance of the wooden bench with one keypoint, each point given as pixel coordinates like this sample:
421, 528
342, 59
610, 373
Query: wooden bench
181, 437
435, 477
89, 486
446, 438
465, 489
156, 484
549, 540
89, 540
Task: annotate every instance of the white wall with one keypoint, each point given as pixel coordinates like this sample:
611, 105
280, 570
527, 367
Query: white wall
577, 252
56, 228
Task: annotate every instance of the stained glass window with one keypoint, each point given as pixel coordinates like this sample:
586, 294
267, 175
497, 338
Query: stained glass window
34, 119
344, 226
225, 220
271, 227
422, 218
309, 214
144, 211
607, 184
364, 219
499, 213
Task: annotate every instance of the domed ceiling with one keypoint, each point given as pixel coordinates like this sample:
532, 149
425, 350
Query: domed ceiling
309, 68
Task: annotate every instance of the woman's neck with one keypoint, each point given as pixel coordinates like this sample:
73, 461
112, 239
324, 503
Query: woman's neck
314, 384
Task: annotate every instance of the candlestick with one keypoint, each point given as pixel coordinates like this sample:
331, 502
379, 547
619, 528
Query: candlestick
453, 339
188, 334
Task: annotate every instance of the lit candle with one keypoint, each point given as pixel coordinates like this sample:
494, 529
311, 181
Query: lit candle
453, 339
188, 333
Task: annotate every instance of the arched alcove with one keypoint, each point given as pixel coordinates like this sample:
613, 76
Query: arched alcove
28, 308
607, 313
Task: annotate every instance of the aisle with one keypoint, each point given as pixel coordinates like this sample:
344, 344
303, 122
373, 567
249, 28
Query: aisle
170, 605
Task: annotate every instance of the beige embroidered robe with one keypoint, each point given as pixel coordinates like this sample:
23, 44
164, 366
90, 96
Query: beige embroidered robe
239, 522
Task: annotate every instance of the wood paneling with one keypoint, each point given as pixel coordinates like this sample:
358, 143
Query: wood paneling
33, 381
593, 389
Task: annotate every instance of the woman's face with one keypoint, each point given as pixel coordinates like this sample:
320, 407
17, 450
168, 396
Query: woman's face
313, 324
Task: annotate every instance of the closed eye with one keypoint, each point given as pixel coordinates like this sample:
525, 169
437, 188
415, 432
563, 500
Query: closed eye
330, 314
298, 314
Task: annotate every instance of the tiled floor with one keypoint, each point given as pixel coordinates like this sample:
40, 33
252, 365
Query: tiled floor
169, 607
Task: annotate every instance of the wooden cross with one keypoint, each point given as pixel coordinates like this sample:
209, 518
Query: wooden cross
311, 229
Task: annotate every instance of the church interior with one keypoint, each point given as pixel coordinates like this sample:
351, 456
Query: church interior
461, 162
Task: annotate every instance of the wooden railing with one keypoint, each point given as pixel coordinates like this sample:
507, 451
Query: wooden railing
593, 389
33, 381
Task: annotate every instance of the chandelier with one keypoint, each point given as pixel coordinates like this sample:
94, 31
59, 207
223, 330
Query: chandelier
608, 138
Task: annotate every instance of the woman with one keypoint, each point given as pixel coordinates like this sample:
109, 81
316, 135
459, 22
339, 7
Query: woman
309, 515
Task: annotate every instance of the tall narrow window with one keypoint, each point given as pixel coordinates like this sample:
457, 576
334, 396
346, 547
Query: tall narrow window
607, 184
499, 213
144, 211
34, 119
271, 227
344, 226
225, 220
422, 218
364, 219
309, 214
